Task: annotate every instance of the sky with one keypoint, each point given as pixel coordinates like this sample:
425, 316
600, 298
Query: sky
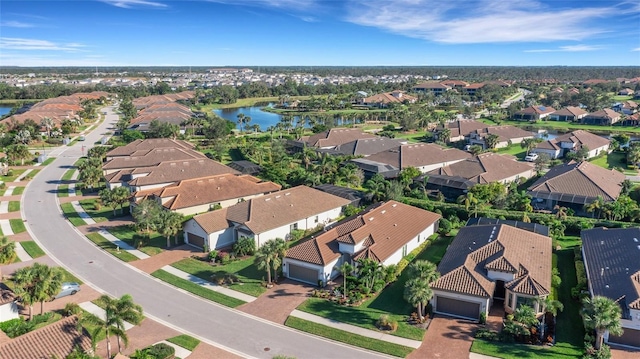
320, 33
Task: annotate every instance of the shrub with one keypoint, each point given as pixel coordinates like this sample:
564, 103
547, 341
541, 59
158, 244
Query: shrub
161, 351
245, 246
486, 334
71, 309
212, 255
386, 323
483, 318
444, 226
225, 258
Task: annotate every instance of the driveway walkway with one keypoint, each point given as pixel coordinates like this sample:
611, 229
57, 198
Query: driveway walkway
153, 263
446, 338
623, 353
206, 351
278, 302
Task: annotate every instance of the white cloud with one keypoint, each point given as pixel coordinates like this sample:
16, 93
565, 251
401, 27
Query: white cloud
636, 49
129, 4
18, 24
569, 48
13, 43
17, 59
281, 4
478, 21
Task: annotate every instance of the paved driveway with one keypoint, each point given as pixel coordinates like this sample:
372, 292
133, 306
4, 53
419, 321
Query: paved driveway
278, 302
622, 353
446, 338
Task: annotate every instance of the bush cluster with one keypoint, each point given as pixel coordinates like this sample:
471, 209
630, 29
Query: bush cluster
17, 327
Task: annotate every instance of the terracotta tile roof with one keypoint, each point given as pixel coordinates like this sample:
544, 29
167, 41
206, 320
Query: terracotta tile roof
606, 113
149, 144
153, 158
579, 138
537, 110
570, 111
584, 179
431, 85
174, 171
477, 249
389, 97
505, 132
368, 146
213, 221
335, 137
418, 155
465, 127
486, 168
57, 339
212, 189
382, 230
611, 260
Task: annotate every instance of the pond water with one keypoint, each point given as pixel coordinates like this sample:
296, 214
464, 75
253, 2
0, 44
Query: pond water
4, 110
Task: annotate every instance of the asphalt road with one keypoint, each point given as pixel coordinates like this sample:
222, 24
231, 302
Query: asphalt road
227, 328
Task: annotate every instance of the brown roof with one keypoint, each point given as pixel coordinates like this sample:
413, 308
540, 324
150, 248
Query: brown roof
431, 85
478, 249
174, 171
485, 168
213, 221
505, 132
199, 191
538, 110
570, 111
606, 113
390, 97
335, 137
383, 230
149, 144
152, 157
579, 138
465, 127
57, 339
417, 155
582, 179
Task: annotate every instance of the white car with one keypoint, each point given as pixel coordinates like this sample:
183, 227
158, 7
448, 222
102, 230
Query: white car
68, 288
531, 157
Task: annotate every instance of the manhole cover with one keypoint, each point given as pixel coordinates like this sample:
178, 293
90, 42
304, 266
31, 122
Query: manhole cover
267, 349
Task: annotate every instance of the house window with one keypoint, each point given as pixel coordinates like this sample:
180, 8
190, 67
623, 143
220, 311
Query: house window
418, 238
510, 300
293, 227
317, 219
524, 301
404, 250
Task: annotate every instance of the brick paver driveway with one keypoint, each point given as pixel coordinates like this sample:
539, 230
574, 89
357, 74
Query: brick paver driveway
278, 302
446, 338
623, 353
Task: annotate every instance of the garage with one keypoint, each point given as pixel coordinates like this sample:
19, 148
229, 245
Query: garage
303, 274
195, 240
630, 337
457, 307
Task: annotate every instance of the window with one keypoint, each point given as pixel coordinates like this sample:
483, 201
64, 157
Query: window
418, 238
317, 219
404, 250
510, 300
293, 227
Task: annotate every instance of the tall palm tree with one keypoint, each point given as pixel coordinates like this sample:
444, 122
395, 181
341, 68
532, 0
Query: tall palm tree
126, 311
424, 270
595, 207
548, 305
279, 252
418, 293
103, 326
491, 141
170, 224
48, 124
345, 269
49, 283
602, 314
263, 258
25, 287
241, 117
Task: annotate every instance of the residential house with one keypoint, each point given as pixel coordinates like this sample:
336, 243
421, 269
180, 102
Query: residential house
506, 135
435, 88
533, 113
457, 178
573, 142
605, 117
472, 89
613, 271
366, 146
492, 262
267, 217
55, 340
455, 83
460, 129
332, 138
626, 107
150, 158
8, 306
626, 92
140, 147
384, 233
383, 100
569, 114
197, 195
574, 185
353, 195
424, 156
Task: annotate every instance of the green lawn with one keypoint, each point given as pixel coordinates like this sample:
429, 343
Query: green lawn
514, 150
68, 174
32, 249
17, 225
48, 161
197, 289
72, 215
390, 301
621, 98
185, 341
31, 174
63, 190
152, 246
416, 136
18, 191
348, 338
104, 213
15, 173
110, 247
248, 274
521, 351
613, 160
14, 206
68, 277
562, 125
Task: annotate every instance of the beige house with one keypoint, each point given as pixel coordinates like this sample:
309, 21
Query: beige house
573, 142
506, 135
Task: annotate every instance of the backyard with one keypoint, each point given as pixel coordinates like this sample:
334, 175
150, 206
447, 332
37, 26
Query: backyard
615, 160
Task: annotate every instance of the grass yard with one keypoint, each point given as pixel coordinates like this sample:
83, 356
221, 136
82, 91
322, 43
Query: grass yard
31, 174
48, 161
185, 341
14, 206
522, 351
63, 190
17, 225
250, 277
68, 277
348, 338
514, 150
18, 191
110, 247
151, 246
390, 301
68, 175
15, 173
32, 249
414, 136
621, 98
197, 290
566, 126
104, 213
72, 215
613, 160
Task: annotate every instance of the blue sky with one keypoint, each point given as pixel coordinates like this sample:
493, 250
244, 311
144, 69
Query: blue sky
319, 32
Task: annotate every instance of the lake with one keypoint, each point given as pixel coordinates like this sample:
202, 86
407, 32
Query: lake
4, 110
258, 117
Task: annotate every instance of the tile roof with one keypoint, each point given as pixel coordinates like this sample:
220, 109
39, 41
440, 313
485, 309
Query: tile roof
152, 157
583, 180
486, 168
477, 249
418, 155
612, 264
213, 221
390, 97
383, 230
55, 340
335, 137
464, 127
148, 144
538, 110
606, 113
173, 171
579, 138
431, 85
504, 133
204, 190
570, 111
368, 146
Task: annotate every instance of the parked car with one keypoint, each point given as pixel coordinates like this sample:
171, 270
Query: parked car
531, 157
68, 288
81, 138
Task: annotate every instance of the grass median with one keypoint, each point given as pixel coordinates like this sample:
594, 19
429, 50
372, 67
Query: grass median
32, 249
110, 247
17, 225
185, 341
14, 206
348, 338
72, 215
197, 289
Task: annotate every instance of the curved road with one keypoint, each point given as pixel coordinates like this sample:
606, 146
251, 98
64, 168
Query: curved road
227, 328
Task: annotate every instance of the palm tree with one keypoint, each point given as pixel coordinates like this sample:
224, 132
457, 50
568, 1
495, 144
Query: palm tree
491, 141
596, 206
529, 144
49, 281
444, 135
106, 198
424, 270
548, 305
25, 287
100, 325
120, 195
561, 212
526, 315
126, 311
48, 124
602, 314
418, 293
7, 251
241, 118
36, 283
345, 269
469, 200
146, 214
170, 224
263, 258
279, 252
18, 152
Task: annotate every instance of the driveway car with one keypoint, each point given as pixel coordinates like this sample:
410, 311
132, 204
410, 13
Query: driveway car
68, 288
531, 157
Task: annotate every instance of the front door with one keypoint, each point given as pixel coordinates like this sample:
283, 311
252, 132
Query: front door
498, 293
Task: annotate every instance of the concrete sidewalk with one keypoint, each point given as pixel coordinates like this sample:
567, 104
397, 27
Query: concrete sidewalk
4, 207
23, 175
85, 217
209, 285
21, 253
9, 191
5, 225
356, 330
122, 244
